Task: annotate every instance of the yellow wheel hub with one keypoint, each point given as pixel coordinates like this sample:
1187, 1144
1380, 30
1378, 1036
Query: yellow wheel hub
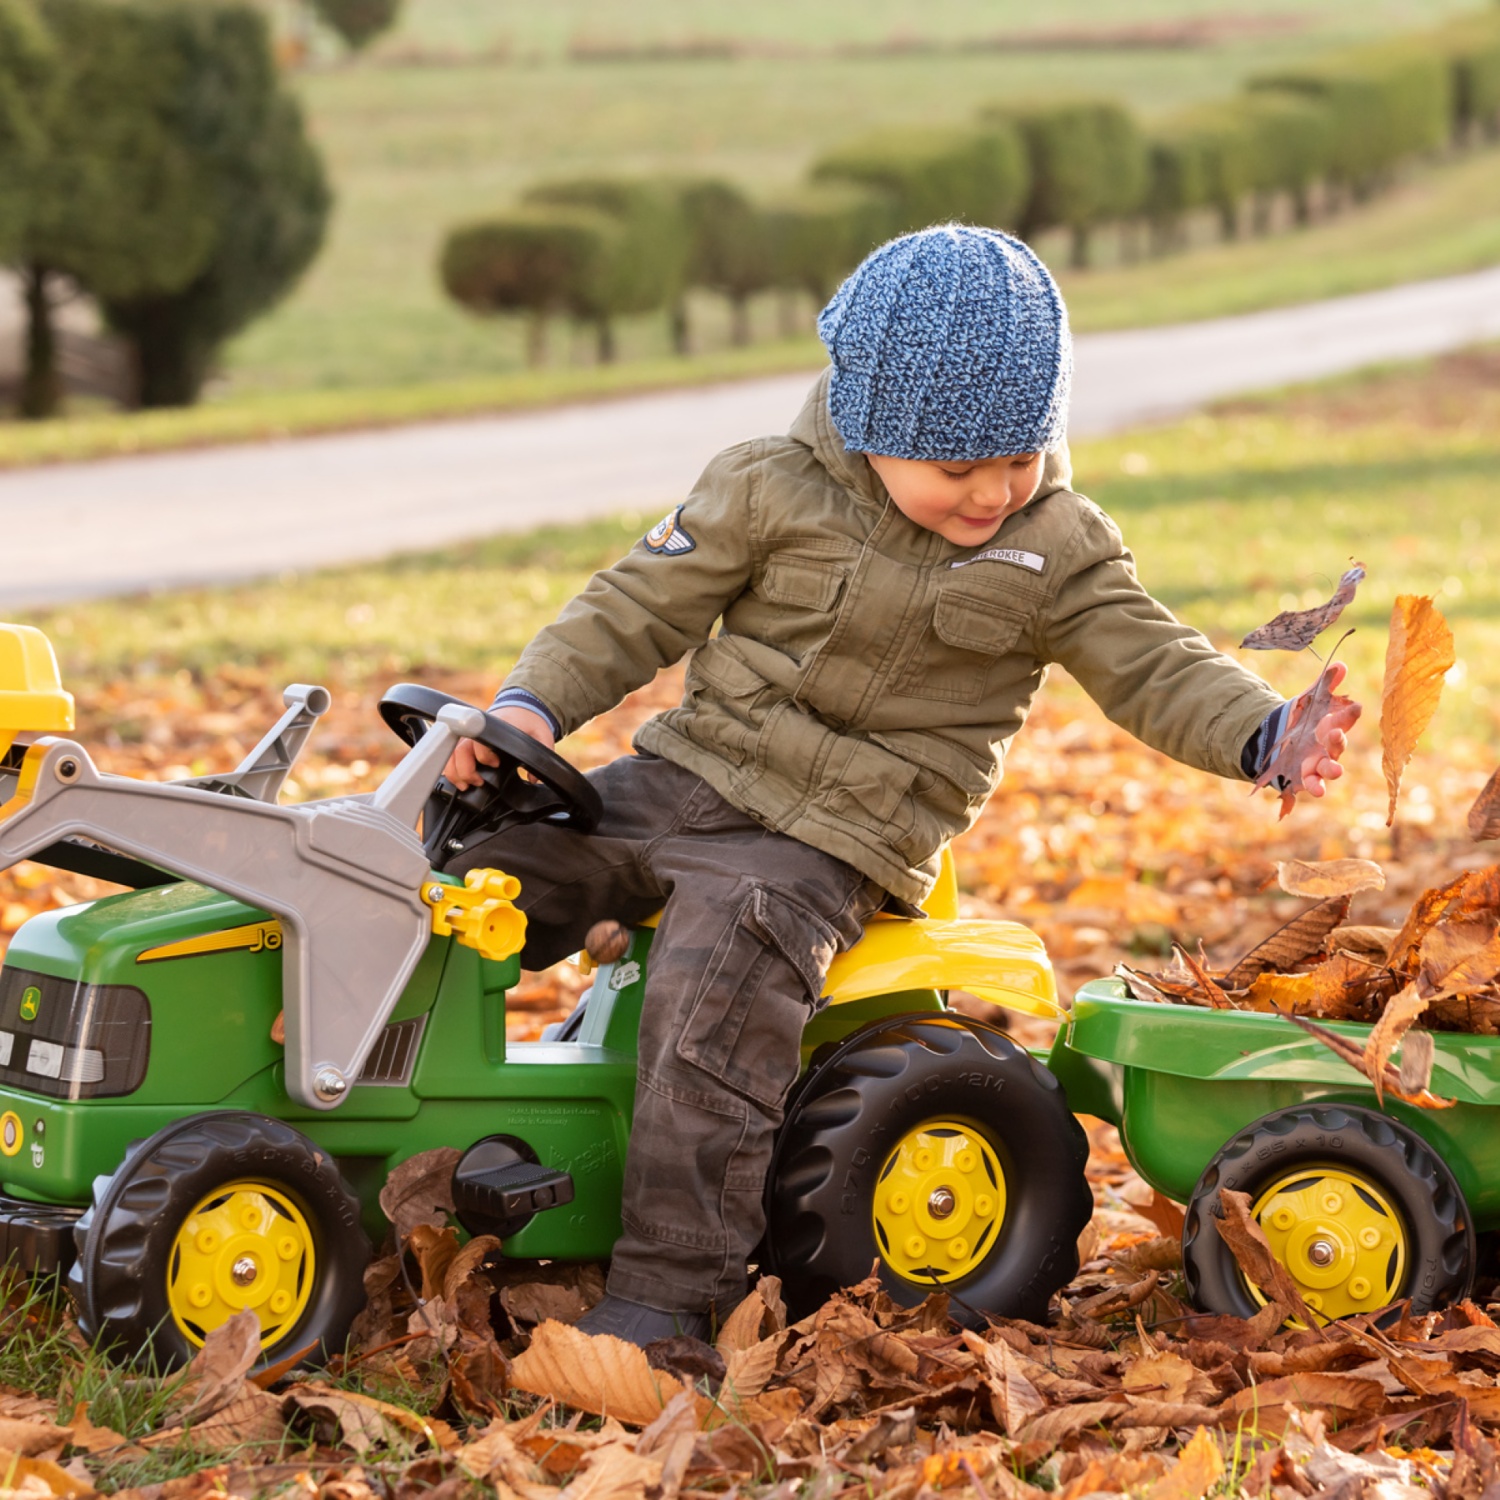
1338, 1235
939, 1203
245, 1245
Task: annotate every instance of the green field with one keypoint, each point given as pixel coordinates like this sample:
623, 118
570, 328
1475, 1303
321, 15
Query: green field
1233, 516
415, 146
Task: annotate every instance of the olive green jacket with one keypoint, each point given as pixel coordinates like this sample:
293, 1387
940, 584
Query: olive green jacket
867, 675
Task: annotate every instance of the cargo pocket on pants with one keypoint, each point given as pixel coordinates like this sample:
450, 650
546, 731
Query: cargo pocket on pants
756, 995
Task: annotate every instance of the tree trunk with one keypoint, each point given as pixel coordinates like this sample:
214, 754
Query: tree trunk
606, 333
678, 318
41, 389
536, 339
739, 320
1079, 259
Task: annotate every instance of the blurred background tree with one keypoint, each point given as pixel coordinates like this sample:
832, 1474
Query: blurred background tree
26, 76
358, 22
172, 181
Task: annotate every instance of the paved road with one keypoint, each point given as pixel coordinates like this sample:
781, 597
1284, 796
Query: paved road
122, 525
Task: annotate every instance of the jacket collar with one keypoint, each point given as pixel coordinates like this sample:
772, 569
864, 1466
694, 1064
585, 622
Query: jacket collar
814, 427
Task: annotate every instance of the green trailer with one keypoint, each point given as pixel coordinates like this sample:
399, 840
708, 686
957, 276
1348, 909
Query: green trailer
1365, 1206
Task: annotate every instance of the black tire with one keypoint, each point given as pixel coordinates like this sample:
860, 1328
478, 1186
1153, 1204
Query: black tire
838, 1149
1439, 1249
120, 1281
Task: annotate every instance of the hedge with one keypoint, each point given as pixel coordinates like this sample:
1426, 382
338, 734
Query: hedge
1198, 158
816, 236
646, 261
1471, 48
934, 175
727, 250
530, 261
1385, 103
1088, 164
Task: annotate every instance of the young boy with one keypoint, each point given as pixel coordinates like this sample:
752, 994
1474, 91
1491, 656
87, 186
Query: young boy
889, 582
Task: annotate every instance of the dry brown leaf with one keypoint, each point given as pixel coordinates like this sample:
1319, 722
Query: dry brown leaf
420, 1190
1417, 1057
1299, 742
1198, 1468
27, 1478
1459, 958
1247, 1242
1063, 1422
1291, 944
603, 1375
614, 1472
1400, 1014
1165, 1214
1014, 1400
363, 1421
1329, 877
1350, 1052
1367, 942
1215, 997
250, 1418
1294, 629
1418, 654
216, 1373
89, 1438
1484, 816
1165, 1378
1473, 896
1349, 1396
1336, 990
32, 1438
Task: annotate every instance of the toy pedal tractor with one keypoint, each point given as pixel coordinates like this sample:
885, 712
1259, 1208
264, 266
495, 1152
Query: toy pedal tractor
168, 1157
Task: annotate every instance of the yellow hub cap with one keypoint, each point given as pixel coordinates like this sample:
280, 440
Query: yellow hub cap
245, 1245
939, 1203
1338, 1235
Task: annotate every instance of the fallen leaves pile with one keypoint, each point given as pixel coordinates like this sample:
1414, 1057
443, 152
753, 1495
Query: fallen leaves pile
465, 1378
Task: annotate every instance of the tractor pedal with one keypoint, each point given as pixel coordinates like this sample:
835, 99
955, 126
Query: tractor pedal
501, 1199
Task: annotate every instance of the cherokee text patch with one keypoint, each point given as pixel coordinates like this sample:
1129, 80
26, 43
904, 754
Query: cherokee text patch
1033, 560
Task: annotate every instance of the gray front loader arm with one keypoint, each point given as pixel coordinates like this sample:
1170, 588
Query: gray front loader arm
343, 876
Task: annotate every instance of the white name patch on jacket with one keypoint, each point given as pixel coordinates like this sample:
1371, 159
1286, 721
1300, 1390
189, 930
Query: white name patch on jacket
1033, 560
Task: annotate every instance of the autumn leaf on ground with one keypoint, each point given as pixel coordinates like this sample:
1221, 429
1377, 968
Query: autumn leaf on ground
1294, 629
1418, 654
1329, 877
1247, 1242
1300, 743
1484, 816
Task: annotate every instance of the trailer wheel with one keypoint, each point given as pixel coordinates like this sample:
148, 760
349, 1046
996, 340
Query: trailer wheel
1358, 1208
213, 1214
940, 1150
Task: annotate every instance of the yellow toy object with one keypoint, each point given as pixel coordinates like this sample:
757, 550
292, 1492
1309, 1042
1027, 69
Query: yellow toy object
479, 912
32, 700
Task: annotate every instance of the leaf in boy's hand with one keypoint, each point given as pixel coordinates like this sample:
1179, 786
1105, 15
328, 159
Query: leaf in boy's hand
1300, 742
1484, 816
1419, 653
1293, 629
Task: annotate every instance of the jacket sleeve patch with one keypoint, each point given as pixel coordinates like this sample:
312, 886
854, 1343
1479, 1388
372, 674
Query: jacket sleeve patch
669, 537
1022, 559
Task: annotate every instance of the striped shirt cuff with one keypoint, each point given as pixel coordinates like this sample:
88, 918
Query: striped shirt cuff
1261, 746
520, 698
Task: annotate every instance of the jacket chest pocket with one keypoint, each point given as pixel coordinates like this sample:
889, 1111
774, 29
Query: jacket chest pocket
803, 583
948, 660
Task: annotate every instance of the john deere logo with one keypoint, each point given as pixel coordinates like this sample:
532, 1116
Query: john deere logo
31, 1002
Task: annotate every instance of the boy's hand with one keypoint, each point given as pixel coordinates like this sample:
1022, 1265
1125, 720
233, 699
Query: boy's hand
468, 755
1320, 763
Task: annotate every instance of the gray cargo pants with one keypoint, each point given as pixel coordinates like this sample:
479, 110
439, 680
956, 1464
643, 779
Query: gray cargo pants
751, 921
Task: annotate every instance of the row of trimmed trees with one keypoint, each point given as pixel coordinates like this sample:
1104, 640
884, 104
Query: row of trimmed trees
1326, 132
150, 157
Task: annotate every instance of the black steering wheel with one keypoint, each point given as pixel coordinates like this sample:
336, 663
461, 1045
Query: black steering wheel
556, 792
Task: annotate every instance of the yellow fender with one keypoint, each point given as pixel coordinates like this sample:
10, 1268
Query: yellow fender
31, 694
1003, 962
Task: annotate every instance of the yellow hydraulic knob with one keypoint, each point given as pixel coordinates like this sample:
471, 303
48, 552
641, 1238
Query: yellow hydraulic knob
479, 913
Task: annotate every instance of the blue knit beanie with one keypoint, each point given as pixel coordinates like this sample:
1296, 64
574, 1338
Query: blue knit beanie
949, 344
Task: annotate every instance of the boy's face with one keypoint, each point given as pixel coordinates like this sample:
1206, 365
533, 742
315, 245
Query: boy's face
964, 502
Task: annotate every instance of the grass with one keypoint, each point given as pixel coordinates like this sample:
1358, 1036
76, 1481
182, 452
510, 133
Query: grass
1233, 516
414, 149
